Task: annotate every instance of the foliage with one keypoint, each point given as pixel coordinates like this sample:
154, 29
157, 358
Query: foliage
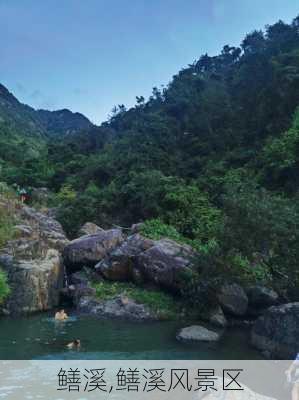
6, 225
263, 228
158, 302
280, 158
156, 229
211, 159
4, 288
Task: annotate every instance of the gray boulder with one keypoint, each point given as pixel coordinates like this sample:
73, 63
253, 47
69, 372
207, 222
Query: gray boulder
197, 333
120, 307
46, 230
217, 317
277, 331
32, 261
137, 228
260, 297
35, 285
90, 249
165, 264
89, 228
121, 262
233, 299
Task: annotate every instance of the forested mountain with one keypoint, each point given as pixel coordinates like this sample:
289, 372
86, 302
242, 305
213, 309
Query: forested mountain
62, 122
25, 133
212, 159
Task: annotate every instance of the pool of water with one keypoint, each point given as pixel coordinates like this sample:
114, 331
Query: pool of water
41, 337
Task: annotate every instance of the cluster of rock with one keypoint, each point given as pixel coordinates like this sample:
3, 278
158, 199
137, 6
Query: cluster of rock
134, 258
37, 259
33, 262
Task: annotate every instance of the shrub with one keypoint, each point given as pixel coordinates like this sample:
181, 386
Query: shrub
162, 304
6, 226
156, 229
4, 288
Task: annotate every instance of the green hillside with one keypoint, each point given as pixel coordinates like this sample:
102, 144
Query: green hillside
212, 159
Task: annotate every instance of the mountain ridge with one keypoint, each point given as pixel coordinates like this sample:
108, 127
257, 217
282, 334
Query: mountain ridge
39, 122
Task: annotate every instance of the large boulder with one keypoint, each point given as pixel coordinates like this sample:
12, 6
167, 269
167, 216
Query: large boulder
261, 298
120, 307
233, 299
165, 264
121, 262
44, 229
197, 333
89, 228
217, 318
35, 285
277, 331
32, 261
90, 249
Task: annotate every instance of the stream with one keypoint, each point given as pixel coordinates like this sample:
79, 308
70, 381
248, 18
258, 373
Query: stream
41, 337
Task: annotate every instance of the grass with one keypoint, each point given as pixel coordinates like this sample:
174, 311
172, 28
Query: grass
7, 231
163, 305
4, 288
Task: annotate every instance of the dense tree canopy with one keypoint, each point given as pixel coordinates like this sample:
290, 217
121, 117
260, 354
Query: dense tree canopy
213, 156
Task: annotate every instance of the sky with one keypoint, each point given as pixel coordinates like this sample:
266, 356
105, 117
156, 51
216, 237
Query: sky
90, 55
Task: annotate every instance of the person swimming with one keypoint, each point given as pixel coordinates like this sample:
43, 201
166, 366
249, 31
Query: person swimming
61, 315
75, 344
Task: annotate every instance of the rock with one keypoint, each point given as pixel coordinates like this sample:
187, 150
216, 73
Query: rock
217, 318
45, 229
23, 231
35, 285
260, 297
120, 307
90, 249
120, 264
197, 333
233, 299
137, 228
33, 262
165, 264
89, 229
277, 331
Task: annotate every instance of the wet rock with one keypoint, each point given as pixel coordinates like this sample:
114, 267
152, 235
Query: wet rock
90, 249
233, 299
260, 297
277, 331
217, 318
197, 333
120, 307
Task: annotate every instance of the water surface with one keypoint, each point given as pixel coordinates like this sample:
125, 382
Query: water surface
41, 337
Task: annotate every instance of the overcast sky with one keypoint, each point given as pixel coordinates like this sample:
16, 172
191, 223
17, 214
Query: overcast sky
89, 55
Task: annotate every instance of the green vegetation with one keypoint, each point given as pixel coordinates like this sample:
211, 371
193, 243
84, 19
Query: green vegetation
156, 229
212, 160
4, 288
162, 304
7, 214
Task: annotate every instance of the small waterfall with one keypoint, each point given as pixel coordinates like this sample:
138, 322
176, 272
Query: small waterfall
66, 278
